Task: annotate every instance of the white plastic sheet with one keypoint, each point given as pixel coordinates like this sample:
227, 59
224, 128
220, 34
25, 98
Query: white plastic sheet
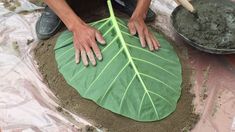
26, 103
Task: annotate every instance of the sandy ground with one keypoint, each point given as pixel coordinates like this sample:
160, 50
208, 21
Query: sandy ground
182, 119
210, 77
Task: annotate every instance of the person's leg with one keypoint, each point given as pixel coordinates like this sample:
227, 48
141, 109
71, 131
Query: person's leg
48, 24
128, 7
89, 10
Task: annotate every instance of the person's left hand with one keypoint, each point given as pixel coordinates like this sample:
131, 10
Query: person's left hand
137, 25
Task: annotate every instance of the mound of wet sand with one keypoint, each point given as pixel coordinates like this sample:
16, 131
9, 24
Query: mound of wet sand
182, 119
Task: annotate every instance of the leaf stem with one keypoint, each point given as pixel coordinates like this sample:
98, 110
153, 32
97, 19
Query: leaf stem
115, 23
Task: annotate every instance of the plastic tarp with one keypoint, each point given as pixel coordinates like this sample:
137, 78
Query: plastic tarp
26, 103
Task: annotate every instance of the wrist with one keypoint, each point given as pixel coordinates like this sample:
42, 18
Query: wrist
139, 14
141, 9
75, 24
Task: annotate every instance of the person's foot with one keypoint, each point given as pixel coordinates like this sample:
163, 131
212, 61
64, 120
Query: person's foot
48, 24
128, 7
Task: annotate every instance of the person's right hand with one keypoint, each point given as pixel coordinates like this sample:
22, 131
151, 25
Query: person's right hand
84, 39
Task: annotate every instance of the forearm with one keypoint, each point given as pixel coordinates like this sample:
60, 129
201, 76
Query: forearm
141, 8
66, 14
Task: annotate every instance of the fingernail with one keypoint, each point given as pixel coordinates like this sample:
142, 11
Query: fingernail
77, 61
151, 48
103, 42
93, 63
86, 64
99, 56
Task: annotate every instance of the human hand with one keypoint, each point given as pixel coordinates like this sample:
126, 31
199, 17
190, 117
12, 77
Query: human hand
84, 38
137, 25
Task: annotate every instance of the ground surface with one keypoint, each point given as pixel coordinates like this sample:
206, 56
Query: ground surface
181, 119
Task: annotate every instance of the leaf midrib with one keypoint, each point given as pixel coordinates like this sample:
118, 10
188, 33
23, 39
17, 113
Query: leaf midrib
113, 19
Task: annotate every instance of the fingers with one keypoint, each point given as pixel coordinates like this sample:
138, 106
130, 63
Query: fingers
84, 53
96, 50
77, 55
132, 29
77, 50
91, 57
156, 44
149, 40
99, 37
87, 51
146, 37
86, 47
84, 57
90, 53
142, 37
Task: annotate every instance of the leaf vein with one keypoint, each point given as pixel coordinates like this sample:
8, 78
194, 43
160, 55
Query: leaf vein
108, 31
110, 85
123, 25
106, 19
149, 52
65, 53
151, 77
67, 40
103, 70
162, 98
123, 43
132, 36
155, 65
141, 103
126, 92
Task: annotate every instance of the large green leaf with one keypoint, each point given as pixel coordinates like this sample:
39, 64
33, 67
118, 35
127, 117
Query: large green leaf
130, 80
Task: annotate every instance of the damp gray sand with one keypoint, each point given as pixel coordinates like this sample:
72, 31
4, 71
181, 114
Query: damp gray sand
214, 27
183, 119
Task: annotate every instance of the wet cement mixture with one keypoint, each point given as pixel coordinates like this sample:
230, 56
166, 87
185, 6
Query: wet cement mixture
214, 27
183, 119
